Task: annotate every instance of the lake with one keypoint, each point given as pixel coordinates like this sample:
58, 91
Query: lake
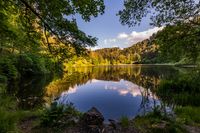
116, 91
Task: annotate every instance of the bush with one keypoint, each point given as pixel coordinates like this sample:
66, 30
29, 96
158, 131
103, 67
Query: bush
31, 64
8, 69
181, 90
3, 79
60, 115
38, 64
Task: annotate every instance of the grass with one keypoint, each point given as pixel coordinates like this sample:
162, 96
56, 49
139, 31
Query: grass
10, 115
158, 122
188, 115
153, 124
124, 121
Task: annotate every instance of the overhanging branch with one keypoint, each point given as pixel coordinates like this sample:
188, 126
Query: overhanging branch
43, 21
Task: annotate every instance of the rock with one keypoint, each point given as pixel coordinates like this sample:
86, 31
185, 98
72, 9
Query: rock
73, 120
113, 124
93, 117
93, 120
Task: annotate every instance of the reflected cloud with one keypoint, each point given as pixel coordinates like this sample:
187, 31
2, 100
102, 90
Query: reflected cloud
133, 80
71, 90
124, 88
95, 81
123, 92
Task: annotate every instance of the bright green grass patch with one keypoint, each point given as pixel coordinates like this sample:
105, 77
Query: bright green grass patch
10, 115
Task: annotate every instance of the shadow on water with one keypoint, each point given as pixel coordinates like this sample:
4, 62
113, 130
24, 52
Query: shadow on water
30, 91
181, 90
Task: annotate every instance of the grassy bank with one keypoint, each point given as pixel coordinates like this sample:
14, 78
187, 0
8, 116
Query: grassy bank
10, 114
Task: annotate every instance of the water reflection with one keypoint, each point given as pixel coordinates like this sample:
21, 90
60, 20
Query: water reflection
145, 76
115, 90
29, 91
113, 99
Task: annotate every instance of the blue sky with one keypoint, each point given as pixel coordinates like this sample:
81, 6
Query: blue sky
109, 31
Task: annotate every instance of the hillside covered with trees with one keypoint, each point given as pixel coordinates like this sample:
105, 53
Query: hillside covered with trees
177, 44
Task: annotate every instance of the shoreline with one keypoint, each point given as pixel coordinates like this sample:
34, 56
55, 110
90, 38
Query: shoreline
175, 65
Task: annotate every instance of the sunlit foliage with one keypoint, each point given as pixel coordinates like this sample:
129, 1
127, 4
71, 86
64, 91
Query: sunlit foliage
160, 11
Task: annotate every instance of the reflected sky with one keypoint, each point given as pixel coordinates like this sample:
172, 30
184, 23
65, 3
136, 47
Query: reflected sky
113, 98
116, 91
125, 90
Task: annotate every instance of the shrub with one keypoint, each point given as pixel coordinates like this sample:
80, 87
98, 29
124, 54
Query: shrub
8, 69
31, 64
38, 64
58, 115
3, 79
181, 90
24, 63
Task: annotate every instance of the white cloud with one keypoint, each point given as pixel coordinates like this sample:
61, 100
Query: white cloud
112, 40
94, 48
124, 40
135, 37
122, 36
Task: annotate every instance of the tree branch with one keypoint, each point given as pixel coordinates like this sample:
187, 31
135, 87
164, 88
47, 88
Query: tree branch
47, 40
43, 21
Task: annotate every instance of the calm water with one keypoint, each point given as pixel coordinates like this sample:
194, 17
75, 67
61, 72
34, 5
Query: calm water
115, 91
113, 98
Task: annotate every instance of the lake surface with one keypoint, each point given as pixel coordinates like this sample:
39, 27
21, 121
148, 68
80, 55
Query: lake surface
115, 91
113, 98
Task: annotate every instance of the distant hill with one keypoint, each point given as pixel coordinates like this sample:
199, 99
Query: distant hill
174, 44
145, 51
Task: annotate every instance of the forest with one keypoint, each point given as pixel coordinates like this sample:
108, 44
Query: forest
40, 38
158, 49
